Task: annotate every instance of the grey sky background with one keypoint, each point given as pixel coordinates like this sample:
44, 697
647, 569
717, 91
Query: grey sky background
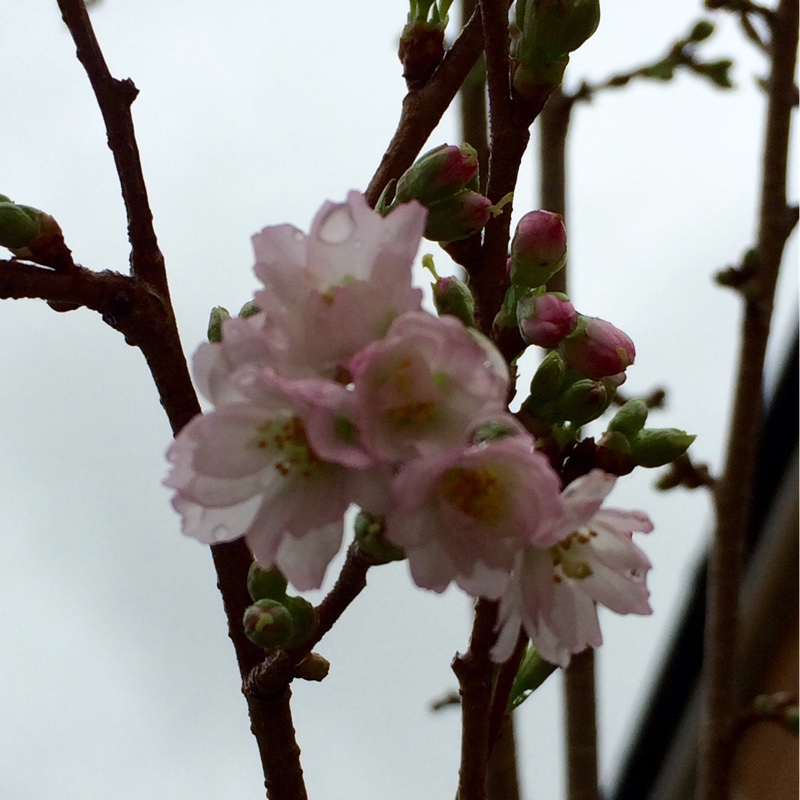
118, 680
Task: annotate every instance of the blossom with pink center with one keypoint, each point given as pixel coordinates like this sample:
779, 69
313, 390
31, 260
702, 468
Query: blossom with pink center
248, 469
554, 590
424, 384
465, 513
597, 349
332, 292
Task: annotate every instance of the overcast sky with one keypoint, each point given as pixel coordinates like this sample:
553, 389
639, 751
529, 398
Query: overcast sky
118, 680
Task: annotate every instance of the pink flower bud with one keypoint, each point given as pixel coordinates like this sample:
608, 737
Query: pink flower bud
597, 349
440, 173
457, 217
539, 248
546, 319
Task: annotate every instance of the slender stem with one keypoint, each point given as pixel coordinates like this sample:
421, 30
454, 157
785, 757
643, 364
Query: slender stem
553, 128
474, 671
581, 728
114, 97
733, 491
473, 104
503, 776
423, 108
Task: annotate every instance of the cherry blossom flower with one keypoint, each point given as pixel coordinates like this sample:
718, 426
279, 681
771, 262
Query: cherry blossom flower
465, 513
554, 590
423, 385
248, 469
331, 293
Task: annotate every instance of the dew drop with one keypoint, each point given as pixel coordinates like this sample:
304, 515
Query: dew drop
337, 227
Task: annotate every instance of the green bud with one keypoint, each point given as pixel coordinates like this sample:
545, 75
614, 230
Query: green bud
268, 624
452, 296
17, 228
458, 216
548, 378
536, 82
553, 28
304, 617
4, 199
584, 401
370, 536
718, 72
655, 447
702, 30
217, 316
249, 309
630, 418
440, 173
266, 584
613, 454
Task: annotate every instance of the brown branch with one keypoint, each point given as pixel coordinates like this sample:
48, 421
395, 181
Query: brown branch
733, 492
474, 671
423, 109
114, 98
271, 724
581, 727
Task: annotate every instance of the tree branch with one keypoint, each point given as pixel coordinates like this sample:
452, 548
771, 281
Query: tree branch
423, 108
114, 97
733, 491
474, 671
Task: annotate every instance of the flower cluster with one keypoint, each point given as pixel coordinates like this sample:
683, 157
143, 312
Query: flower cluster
342, 390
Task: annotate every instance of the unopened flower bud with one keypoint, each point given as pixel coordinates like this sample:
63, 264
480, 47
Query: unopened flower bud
702, 30
17, 226
440, 173
551, 29
304, 617
538, 249
536, 82
584, 401
630, 418
421, 50
217, 316
546, 319
457, 217
548, 378
370, 536
452, 296
597, 349
655, 447
266, 584
268, 624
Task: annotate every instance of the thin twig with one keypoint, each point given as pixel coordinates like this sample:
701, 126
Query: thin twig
114, 98
733, 492
423, 108
472, 95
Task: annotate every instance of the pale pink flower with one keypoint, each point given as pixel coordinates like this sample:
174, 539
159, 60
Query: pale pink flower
554, 591
248, 469
423, 385
329, 294
464, 514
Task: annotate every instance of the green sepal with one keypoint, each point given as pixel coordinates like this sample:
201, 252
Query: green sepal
266, 583
217, 316
268, 624
17, 227
532, 673
304, 616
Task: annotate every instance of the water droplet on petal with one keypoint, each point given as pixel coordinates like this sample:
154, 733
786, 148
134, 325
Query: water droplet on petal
338, 226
